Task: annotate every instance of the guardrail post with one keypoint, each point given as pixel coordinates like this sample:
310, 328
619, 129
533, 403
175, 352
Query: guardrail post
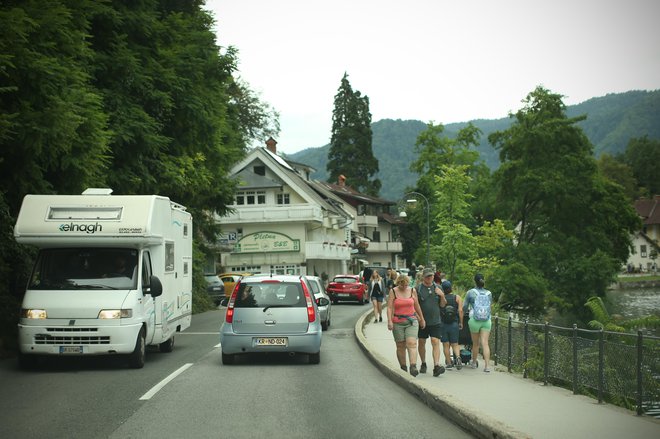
575, 360
509, 343
640, 357
546, 354
525, 330
601, 365
497, 333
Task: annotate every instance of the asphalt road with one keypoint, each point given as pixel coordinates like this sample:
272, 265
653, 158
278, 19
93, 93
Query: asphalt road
189, 393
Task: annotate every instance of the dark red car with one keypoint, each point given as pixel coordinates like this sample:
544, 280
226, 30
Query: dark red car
347, 287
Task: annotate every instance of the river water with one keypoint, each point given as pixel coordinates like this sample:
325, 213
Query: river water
632, 303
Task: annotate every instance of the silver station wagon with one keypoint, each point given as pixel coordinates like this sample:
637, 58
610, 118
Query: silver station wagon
272, 313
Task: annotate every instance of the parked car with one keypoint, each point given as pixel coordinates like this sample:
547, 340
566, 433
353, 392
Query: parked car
275, 313
319, 292
347, 287
214, 287
229, 280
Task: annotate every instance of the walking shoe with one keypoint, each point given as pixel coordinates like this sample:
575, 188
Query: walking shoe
459, 364
413, 370
473, 364
404, 368
449, 366
423, 368
438, 370
381, 318
375, 320
487, 370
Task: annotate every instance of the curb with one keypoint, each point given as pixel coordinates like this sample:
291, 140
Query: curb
478, 424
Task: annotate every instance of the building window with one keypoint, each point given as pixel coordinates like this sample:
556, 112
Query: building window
642, 250
260, 170
283, 199
250, 197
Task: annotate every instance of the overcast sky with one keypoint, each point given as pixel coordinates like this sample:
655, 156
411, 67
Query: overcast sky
434, 60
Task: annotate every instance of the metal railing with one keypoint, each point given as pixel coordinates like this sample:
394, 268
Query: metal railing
620, 368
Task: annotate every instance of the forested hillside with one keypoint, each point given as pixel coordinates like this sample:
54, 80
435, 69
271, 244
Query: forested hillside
612, 120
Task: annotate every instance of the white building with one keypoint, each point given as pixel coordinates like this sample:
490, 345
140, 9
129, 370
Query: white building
284, 222
646, 249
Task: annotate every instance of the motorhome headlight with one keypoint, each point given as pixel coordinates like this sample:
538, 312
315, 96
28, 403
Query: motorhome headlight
34, 313
116, 314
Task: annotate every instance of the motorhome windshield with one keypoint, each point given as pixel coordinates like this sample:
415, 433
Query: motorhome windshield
85, 268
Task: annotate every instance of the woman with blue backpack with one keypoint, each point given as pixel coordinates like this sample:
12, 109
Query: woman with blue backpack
478, 301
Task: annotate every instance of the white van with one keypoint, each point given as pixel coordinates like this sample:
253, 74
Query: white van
113, 275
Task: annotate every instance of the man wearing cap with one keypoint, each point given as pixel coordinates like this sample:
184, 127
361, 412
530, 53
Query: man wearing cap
478, 301
431, 298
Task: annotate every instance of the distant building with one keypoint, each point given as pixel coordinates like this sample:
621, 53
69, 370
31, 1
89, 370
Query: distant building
646, 248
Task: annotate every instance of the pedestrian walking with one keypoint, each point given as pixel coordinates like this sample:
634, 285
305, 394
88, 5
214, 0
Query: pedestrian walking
377, 294
452, 322
478, 301
431, 298
391, 279
404, 318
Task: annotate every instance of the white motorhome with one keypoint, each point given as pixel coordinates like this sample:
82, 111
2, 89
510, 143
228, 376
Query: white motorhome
113, 275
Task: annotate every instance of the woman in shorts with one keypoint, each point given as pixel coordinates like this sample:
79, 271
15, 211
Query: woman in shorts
404, 318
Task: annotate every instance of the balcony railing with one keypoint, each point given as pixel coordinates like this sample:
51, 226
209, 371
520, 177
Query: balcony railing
384, 247
327, 250
279, 213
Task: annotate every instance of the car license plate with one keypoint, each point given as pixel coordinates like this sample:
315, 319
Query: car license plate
272, 341
71, 349
343, 295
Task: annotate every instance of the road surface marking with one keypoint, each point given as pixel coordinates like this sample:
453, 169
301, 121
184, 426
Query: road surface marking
162, 384
198, 333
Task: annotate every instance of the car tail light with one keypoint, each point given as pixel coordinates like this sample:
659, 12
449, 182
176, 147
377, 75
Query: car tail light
229, 315
311, 312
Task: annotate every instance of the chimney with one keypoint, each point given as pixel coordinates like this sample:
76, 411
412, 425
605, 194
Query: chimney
271, 144
341, 180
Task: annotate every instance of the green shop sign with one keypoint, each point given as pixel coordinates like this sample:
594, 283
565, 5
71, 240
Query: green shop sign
266, 242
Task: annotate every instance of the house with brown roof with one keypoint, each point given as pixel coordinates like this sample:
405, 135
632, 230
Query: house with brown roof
646, 248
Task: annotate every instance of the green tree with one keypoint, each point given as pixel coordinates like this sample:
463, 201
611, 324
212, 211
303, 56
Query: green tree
53, 130
643, 156
619, 172
452, 215
351, 153
573, 226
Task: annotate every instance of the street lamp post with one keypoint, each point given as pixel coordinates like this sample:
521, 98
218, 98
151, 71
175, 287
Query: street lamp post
428, 223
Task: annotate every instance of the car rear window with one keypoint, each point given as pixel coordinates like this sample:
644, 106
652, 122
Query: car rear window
263, 294
344, 280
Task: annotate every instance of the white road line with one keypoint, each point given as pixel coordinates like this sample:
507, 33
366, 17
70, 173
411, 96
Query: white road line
162, 384
198, 333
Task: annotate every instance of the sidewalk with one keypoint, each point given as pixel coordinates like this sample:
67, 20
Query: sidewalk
502, 404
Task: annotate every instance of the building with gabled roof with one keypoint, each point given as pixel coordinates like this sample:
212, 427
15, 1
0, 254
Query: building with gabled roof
646, 248
283, 222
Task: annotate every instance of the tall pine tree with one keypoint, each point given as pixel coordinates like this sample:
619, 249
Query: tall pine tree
350, 145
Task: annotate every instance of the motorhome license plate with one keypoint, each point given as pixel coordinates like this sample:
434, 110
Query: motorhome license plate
71, 349
272, 341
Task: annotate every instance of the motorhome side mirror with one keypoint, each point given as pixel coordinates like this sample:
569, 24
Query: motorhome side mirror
156, 288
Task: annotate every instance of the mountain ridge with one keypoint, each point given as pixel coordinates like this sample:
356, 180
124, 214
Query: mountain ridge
612, 120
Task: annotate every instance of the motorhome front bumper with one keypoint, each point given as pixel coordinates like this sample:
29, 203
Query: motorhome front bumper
77, 340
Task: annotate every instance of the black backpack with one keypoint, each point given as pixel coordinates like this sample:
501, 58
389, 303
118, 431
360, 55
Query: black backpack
449, 313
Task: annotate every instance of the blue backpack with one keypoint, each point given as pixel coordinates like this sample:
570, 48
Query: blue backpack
481, 307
